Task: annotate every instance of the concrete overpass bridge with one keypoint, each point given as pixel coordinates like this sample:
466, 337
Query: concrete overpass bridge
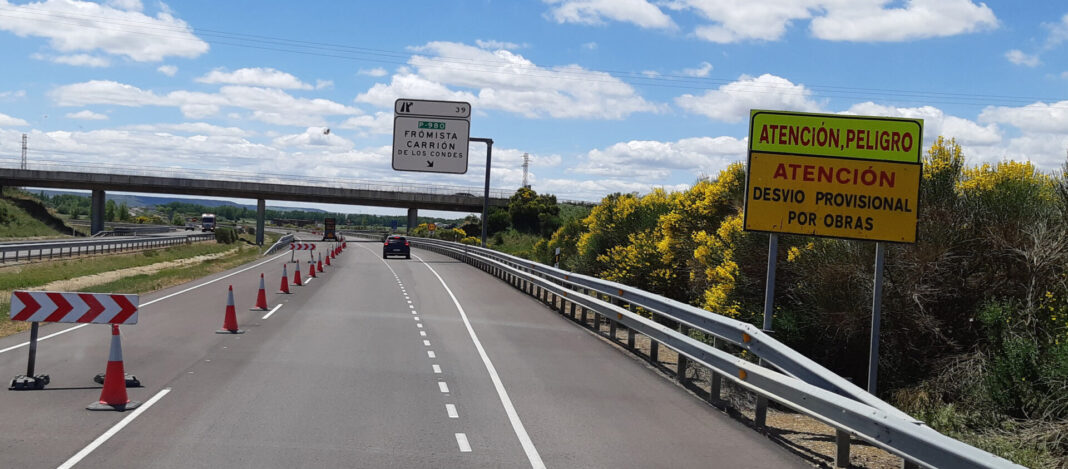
410, 196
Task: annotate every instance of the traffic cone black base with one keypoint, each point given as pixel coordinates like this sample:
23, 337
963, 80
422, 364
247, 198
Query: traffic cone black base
118, 407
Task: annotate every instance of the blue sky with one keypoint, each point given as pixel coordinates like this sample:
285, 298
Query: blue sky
605, 95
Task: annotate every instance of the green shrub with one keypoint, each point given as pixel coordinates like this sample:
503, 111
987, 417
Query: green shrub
471, 240
225, 235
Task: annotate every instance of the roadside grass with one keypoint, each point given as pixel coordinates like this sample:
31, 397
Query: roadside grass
16, 223
11, 279
514, 243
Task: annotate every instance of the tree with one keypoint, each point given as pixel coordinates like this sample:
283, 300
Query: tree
177, 219
124, 212
110, 210
533, 213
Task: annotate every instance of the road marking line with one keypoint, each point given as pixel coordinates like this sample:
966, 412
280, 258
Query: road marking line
409, 301
422, 333
419, 326
430, 353
443, 387
451, 409
509, 408
115, 429
308, 280
426, 343
437, 369
79, 326
265, 316
416, 318
415, 312
411, 306
461, 440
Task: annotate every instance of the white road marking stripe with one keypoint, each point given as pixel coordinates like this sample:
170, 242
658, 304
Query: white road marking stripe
415, 312
79, 326
443, 387
461, 440
265, 316
416, 318
422, 333
111, 432
430, 353
509, 408
411, 306
419, 326
426, 343
451, 409
308, 280
437, 369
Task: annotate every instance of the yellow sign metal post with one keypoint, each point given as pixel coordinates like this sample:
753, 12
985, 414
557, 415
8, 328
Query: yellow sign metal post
839, 176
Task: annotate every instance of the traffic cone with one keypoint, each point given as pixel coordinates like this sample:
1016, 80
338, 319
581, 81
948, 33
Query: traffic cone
344, 244
311, 270
296, 276
230, 319
328, 260
319, 266
113, 396
261, 297
285, 281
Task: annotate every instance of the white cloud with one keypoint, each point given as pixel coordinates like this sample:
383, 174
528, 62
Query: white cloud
1018, 57
935, 122
313, 137
379, 124
169, 70
596, 189
273, 106
733, 101
701, 71
8, 121
768, 20
506, 81
590, 46
872, 21
12, 95
653, 160
1036, 117
1058, 32
77, 60
495, 45
264, 77
73, 25
639, 12
86, 115
374, 72
128, 5
323, 84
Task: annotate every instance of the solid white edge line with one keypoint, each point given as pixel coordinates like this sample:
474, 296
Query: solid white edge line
461, 441
513, 416
79, 326
265, 316
451, 410
113, 430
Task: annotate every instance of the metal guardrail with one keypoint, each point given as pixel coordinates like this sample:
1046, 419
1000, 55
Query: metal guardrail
802, 385
283, 241
50, 250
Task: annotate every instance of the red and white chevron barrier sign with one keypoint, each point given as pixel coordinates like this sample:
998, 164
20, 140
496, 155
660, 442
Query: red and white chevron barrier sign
301, 247
99, 308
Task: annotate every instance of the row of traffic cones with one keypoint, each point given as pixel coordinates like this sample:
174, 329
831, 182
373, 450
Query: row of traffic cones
114, 397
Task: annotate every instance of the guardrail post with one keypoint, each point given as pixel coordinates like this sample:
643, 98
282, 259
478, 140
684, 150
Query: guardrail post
841, 454
654, 350
715, 388
906, 464
682, 362
572, 310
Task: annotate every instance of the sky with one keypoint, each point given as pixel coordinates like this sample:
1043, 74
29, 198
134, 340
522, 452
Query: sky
604, 95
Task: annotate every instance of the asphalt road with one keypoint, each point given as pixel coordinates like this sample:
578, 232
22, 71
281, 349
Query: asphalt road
372, 364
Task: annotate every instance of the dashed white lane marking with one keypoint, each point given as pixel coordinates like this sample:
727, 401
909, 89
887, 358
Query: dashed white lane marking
437, 369
443, 387
409, 301
422, 333
308, 280
431, 354
451, 409
509, 408
209, 282
265, 316
416, 318
426, 343
411, 306
111, 432
461, 441
419, 326
415, 312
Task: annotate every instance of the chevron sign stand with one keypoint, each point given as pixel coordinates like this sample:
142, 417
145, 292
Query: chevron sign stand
36, 307
294, 247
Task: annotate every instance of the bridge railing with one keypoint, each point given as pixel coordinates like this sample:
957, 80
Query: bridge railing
801, 384
26, 252
278, 245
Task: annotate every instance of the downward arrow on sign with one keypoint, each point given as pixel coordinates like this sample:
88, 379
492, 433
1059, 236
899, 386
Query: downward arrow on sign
429, 164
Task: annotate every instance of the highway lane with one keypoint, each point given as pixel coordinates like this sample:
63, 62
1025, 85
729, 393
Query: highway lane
340, 376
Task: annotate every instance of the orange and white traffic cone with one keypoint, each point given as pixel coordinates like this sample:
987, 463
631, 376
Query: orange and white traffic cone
319, 266
261, 297
328, 260
311, 270
230, 319
344, 244
296, 276
285, 281
113, 396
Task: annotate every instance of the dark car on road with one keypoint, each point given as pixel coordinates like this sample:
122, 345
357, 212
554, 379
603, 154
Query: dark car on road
396, 246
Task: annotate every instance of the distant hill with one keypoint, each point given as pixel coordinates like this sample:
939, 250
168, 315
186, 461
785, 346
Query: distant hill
151, 201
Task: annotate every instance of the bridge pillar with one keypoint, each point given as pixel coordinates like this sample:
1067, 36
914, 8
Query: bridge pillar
261, 209
413, 219
96, 212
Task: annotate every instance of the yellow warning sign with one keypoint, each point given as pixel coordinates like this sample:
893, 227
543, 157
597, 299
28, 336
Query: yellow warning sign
836, 197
